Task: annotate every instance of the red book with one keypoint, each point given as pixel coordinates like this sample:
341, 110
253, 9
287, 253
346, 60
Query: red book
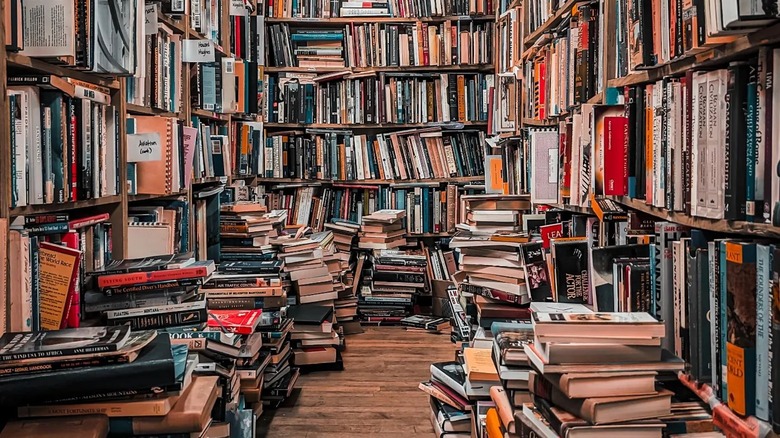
88, 221
242, 322
549, 232
196, 270
615, 156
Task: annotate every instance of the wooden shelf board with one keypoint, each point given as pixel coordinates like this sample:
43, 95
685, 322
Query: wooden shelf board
16, 60
541, 123
210, 180
77, 205
148, 197
721, 54
551, 22
177, 25
573, 208
368, 126
715, 225
148, 111
365, 20
391, 69
211, 115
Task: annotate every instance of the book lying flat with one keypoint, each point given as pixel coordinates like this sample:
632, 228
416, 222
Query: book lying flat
668, 362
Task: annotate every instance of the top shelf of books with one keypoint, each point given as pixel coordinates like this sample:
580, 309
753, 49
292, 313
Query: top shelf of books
340, 21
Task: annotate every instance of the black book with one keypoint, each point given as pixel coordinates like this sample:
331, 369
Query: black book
146, 264
537, 279
251, 267
398, 277
309, 314
67, 342
736, 146
775, 341
572, 277
154, 368
602, 280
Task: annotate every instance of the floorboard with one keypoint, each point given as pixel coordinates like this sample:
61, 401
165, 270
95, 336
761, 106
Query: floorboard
376, 395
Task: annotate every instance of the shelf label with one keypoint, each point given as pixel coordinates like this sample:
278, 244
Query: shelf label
150, 19
238, 8
198, 51
144, 147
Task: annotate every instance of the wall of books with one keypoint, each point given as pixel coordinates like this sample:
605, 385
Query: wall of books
642, 132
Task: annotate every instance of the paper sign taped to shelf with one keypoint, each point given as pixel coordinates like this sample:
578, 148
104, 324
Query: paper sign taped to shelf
238, 8
197, 51
150, 19
144, 147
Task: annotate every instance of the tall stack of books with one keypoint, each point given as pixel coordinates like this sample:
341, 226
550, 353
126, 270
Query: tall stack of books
303, 260
280, 376
344, 233
610, 389
315, 341
390, 285
246, 230
383, 229
151, 293
136, 380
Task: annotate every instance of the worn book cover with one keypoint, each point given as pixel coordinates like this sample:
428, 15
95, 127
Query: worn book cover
537, 278
572, 277
67, 342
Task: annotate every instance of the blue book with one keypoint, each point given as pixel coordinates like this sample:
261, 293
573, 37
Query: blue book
319, 36
426, 213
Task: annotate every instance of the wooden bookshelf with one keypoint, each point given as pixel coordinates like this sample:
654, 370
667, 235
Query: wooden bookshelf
443, 125
386, 69
19, 61
65, 206
548, 25
374, 182
147, 111
719, 55
715, 225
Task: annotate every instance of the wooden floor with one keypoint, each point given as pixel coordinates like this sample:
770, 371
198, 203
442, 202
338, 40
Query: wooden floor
376, 395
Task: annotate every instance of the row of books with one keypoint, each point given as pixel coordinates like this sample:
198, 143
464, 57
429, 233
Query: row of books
228, 85
390, 8
340, 155
96, 42
53, 255
64, 141
387, 98
565, 71
159, 80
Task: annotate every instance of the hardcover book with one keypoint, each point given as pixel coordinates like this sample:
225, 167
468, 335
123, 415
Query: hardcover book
242, 322
67, 342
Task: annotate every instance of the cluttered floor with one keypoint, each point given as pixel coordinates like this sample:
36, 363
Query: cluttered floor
376, 395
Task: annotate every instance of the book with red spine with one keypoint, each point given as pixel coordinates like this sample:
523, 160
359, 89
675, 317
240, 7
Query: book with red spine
88, 221
615, 156
242, 322
196, 270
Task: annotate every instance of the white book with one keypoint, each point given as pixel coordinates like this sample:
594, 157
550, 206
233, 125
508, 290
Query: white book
698, 140
44, 38
21, 128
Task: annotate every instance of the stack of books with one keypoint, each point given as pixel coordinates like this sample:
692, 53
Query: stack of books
303, 261
311, 48
136, 380
383, 229
246, 229
315, 342
597, 372
152, 292
280, 376
344, 233
390, 284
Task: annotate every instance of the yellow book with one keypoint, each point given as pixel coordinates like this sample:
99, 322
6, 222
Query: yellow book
479, 365
493, 424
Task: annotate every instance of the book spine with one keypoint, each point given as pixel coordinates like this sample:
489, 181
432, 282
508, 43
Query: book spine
161, 320
106, 281
170, 287
492, 293
763, 327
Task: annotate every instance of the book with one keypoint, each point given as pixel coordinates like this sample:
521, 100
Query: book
636, 324
67, 342
234, 321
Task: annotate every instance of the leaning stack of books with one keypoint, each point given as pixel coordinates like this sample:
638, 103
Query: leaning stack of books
597, 373
150, 293
136, 380
246, 285
246, 230
315, 342
302, 256
383, 229
280, 376
344, 233
390, 284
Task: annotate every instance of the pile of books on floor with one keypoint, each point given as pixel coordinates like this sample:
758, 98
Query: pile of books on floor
280, 375
390, 282
127, 383
316, 345
344, 233
383, 229
246, 229
611, 390
150, 293
302, 255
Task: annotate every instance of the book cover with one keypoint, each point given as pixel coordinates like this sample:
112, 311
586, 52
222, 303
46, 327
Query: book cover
572, 277
58, 268
741, 326
537, 278
601, 286
67, 342
241, 322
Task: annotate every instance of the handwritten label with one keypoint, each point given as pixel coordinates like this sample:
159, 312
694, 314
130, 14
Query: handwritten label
197, 51
150, 19
238, 8
144, 147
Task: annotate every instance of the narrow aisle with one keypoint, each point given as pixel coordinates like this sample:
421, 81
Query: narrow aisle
376, 395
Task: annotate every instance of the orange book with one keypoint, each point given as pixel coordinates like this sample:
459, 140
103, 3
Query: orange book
493, 424
461, 98
478, 364
240, 86
156, 177
649, 143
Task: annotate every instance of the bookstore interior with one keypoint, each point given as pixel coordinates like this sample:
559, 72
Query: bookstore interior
198, 226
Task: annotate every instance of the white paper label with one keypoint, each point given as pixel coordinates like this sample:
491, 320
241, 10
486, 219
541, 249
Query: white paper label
197, 51
150, 20
144, 147
238, 8
552, 166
